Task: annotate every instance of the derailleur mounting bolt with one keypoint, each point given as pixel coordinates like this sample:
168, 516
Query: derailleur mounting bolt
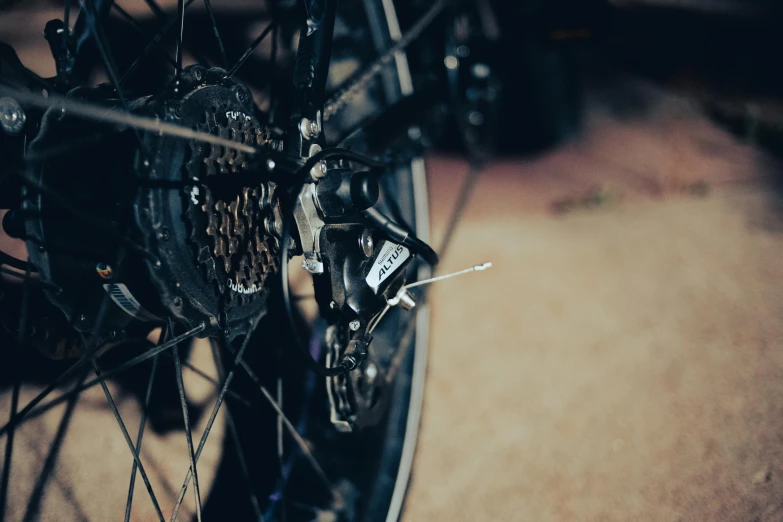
309, 129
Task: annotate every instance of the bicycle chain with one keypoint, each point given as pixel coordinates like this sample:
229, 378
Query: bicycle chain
358, 84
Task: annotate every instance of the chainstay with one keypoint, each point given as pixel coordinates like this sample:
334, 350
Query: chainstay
358, 84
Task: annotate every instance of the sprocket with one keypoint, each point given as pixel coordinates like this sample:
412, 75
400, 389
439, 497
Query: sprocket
232, 244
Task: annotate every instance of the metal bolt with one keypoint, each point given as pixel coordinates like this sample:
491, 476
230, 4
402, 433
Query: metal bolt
309, 129
177, 302
354, 325
270, 164
313, 266
366, 242
12, 117
318, 171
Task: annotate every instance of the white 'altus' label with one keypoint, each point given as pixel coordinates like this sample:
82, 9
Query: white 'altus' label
388, 261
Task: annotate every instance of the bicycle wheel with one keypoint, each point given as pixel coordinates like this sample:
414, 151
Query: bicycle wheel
163, 204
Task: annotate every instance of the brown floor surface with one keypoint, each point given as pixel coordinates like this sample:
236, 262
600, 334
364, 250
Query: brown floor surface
622, 363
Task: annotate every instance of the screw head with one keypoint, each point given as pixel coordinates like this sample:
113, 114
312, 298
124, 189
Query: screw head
241, 95
12, 117
354, 325
366, 242
318, 171
309, 129
178, 302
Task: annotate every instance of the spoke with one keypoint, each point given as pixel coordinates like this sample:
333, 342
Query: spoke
67, 30
250, 49
15, 420
223, 59
201, 373
232, 430
211, 421
155, 8
104, 114
67, 374
125, 434
280, 417
34, 504
29, 280
103, 47
280, 452
280, 421
152, 45
290, 427
188, 435
102, 42
142, 424
459, 207
133, 23
9, 444
25, 306
181, 15
272, 67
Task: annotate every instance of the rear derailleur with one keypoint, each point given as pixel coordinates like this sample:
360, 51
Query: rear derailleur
358, 259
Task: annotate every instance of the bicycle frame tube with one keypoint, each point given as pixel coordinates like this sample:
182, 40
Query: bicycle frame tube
311, 72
